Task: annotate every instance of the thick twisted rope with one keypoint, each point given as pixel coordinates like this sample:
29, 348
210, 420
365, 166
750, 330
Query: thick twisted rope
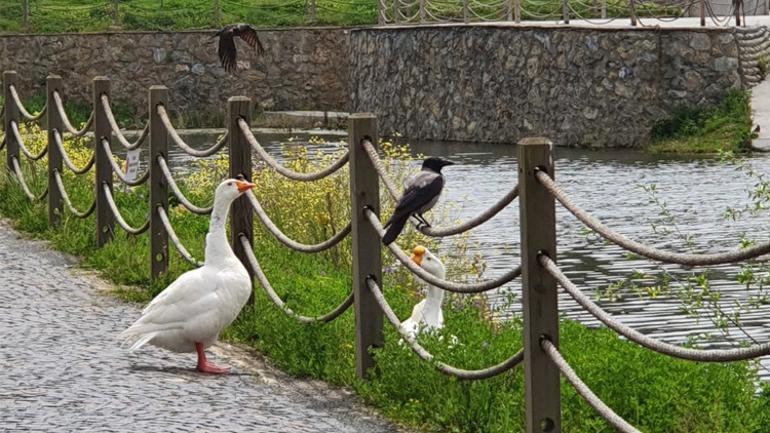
584, 391
181, 143
424, 275
291, 174
294, 245
119, 217
644, 250
118, 171
26, 114
265, 283
23, 147
637, 337
2, 142
23, 183
116, 129
67, 161
436, 231
459, 373
178, 193
175, 239
66, 120
68, 202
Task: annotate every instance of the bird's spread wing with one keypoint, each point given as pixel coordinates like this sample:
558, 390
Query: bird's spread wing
227, 54
423, 188
249, 35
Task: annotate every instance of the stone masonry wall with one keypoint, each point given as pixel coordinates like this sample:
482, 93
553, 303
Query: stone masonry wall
580, 87
301, 68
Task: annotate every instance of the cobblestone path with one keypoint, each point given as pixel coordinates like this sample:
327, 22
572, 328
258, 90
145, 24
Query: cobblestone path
62, 370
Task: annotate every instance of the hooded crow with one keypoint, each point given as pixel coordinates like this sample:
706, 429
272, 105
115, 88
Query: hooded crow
421, 192
227, 53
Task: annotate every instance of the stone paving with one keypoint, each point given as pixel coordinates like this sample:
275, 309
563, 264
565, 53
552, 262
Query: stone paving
62, 369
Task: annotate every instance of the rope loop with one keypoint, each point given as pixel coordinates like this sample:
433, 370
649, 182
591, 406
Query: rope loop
291, 174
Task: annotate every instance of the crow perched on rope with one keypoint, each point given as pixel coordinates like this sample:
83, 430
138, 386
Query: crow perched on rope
227, 52
421, 192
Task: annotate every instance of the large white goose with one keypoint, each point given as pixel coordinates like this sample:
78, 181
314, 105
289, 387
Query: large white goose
427, 314
190, 313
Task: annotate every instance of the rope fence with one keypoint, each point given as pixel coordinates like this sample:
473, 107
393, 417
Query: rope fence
536, 191
400, 12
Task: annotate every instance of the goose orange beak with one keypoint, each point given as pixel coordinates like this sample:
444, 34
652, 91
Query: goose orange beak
244, 186
417, 254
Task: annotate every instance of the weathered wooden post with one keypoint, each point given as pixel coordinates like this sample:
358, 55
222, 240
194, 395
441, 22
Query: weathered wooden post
367, 259
466, 11
565, 11
242, 214
422, 11
11, 115
105, 221
310, 12
24, 14
517, 11
396, 12
158, 185
738, 4
381, 12
703, 13
55, 203
632, 11
540, 303
115, 14
604, 9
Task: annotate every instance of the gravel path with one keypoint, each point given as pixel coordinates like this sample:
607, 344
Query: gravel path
62, 369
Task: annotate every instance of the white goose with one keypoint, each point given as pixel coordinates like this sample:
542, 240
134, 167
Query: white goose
427, 314
189, 314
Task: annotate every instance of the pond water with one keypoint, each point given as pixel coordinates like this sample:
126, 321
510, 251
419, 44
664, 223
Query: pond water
608, 184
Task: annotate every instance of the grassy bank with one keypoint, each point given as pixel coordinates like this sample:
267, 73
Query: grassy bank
726, 127
53, 16
653, 392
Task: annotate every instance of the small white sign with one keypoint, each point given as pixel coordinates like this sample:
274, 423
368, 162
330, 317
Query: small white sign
131, 166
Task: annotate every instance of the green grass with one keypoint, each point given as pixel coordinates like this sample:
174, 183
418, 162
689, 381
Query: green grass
653, 392
726, 127
53, 16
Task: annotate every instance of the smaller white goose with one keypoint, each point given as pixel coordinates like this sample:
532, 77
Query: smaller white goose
191, 312
427, 314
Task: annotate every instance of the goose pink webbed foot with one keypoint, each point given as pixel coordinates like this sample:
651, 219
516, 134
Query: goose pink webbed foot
206, 367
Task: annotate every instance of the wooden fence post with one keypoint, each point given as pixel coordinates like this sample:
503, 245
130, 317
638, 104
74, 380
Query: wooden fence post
381, 20
703, 13
738, 4
466, 11
105, 221
367, 259
55, 203
241, 212
311, 13
632, 11
517, 11
565, 11
540, 302
422, 11
158, 186
11, 115
25, 15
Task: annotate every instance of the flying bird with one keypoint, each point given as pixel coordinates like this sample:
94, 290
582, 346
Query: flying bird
227, 52
421, 193
191, 312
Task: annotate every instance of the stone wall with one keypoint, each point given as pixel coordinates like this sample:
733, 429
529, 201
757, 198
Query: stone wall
580, 87
597, 87
301, 68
